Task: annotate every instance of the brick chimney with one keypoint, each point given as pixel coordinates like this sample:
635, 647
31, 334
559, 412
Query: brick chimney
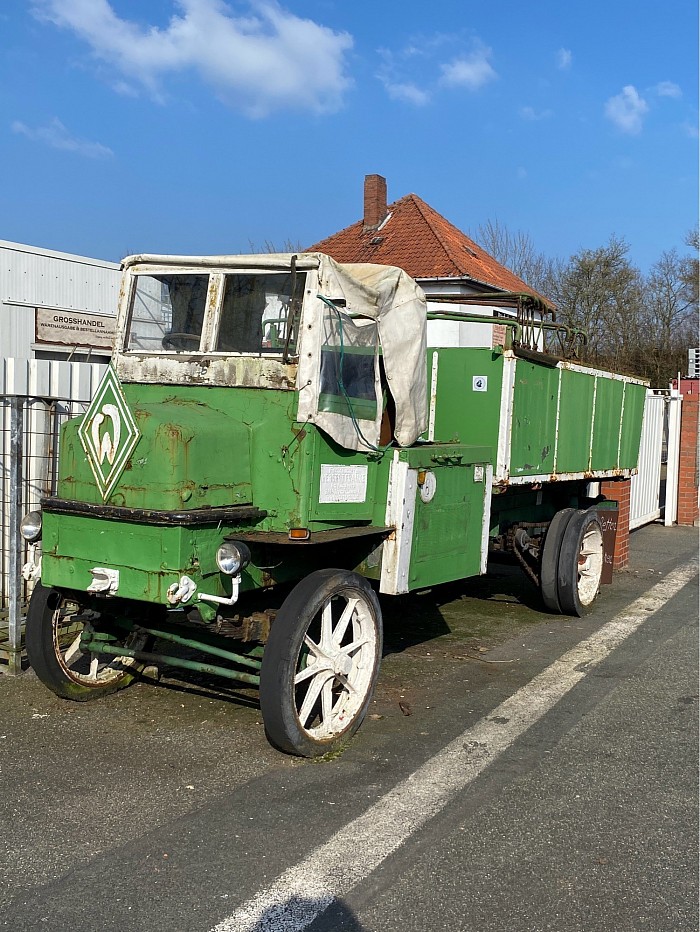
375, 202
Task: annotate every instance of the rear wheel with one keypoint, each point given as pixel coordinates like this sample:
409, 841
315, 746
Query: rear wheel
55, 624
580, 564
549, 563
321, 663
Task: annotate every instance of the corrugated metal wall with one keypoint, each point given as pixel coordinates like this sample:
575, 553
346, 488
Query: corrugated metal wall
54, 279
31, 277
16, 331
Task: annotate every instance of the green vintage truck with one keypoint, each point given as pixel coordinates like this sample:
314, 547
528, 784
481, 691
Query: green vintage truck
281, 419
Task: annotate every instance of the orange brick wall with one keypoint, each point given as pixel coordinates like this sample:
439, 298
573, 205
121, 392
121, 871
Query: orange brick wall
619, 491
688, 461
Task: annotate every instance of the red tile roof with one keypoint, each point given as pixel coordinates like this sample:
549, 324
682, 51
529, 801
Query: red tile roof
423, 243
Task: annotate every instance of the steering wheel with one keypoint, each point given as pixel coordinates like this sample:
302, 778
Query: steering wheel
173, 338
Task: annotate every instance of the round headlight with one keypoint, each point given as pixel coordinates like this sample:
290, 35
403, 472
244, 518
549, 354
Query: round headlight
232, 557
30, 526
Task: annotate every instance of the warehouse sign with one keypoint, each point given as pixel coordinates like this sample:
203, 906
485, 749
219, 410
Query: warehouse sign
72, 328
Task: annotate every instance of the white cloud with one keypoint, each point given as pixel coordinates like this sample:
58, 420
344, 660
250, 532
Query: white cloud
407, 92
56, 135
471, 71
627, 110
398, 71
417, 72
529, 113
267, 60
668, 89
564, 59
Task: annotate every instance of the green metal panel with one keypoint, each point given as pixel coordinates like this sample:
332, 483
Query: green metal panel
149, 558
461, 413
534, 419
331, 469
635, 396
607, 423
201, 447
447, 530
575, 421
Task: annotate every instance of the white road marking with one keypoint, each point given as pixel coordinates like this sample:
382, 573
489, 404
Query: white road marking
304, 891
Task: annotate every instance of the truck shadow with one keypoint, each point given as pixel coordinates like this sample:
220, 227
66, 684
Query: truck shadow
465, 609
479, 604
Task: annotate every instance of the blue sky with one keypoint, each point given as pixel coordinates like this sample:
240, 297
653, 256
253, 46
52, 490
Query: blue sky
202, 127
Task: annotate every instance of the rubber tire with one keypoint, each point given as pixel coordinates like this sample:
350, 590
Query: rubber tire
549, 562
277, 704
42, 655
567, 569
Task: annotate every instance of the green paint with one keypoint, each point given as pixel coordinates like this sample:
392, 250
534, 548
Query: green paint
461, 413
447, 529
607, 423
575, 421
534, 419
635, 396
99, 647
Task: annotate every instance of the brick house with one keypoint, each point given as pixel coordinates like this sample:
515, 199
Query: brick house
412, 235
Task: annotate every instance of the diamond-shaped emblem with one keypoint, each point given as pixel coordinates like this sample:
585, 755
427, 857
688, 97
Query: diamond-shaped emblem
108, 433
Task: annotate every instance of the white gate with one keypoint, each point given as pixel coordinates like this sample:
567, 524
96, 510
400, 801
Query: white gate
655, 487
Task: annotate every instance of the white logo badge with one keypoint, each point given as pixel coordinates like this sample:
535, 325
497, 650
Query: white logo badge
108, 433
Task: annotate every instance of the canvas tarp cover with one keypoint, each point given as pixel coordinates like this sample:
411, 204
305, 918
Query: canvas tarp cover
339, 377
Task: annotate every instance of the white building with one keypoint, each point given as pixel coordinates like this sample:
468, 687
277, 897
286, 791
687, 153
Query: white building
56, 306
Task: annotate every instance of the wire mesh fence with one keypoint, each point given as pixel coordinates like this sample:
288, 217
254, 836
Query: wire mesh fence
32, 413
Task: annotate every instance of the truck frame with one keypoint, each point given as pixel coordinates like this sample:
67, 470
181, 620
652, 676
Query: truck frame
281, 420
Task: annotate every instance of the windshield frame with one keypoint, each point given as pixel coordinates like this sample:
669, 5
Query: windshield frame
213, 310
205, 366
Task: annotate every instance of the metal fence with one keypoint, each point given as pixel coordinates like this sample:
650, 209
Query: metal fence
36, 397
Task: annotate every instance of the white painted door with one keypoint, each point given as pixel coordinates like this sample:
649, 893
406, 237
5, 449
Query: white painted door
654, 487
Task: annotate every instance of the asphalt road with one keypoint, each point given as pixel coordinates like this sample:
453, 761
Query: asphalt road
567, 800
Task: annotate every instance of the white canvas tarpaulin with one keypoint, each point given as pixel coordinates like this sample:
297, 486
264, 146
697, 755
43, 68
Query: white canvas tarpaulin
341, 388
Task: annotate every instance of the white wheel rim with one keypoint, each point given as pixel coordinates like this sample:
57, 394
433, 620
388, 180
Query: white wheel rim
590, 565
87, 669
335, 666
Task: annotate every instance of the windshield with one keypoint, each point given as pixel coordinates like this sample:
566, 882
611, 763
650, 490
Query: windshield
167, 313
257, 314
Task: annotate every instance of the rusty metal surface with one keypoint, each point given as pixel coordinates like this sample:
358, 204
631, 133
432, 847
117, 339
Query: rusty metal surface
195, 516
196, 369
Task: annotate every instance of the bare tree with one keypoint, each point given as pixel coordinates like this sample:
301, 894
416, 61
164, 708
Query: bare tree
517, 252
669, 316
271, 248
600, 291
635, 323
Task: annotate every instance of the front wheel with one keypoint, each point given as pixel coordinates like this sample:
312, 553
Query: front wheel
321, 663
55, 624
